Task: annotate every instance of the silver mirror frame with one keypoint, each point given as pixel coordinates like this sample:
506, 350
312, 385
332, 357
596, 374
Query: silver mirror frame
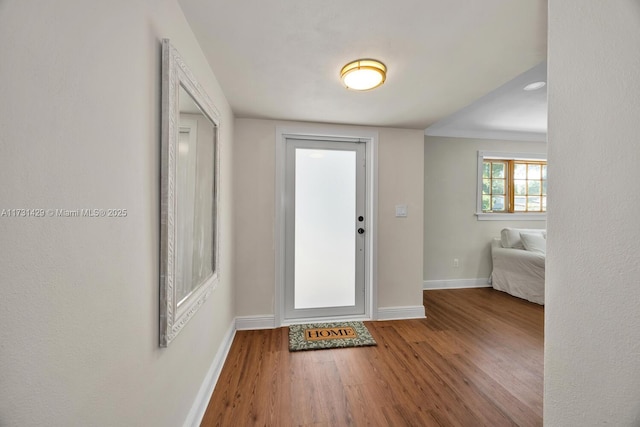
175, 314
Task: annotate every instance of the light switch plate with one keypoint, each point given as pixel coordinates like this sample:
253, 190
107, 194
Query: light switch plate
401, 211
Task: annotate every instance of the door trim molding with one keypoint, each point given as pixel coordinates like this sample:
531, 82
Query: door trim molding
370, 138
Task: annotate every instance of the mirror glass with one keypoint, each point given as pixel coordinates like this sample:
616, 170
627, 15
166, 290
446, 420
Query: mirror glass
189, 267
195, 204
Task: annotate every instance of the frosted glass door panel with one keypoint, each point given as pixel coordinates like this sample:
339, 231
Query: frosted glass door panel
325, 229
325, 224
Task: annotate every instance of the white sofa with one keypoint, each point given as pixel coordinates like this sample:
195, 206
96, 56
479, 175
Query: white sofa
518, 263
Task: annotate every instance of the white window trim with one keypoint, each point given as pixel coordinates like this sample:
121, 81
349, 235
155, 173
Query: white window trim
484, 216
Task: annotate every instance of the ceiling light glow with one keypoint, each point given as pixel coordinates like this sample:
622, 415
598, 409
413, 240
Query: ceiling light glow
363, 74
535, 86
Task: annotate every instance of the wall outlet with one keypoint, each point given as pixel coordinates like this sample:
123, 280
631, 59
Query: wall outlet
456, 263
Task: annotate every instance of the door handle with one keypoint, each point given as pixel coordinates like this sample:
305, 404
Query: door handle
360, 230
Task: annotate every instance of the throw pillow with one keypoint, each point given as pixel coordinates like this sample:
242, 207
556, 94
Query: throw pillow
510, 237
534, 242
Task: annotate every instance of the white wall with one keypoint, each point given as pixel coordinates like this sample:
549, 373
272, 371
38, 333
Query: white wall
400, 170
592, 333
451, 228
80, 128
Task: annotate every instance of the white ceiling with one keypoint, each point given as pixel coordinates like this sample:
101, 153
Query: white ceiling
508, 112
280, 59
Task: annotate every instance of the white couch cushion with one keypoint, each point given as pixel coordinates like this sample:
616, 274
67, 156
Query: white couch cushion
534, 242
510, 237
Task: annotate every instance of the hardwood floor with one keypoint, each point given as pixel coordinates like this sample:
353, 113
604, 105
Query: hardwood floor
476, 360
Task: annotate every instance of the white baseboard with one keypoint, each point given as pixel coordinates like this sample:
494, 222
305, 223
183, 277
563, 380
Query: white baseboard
456, 284
194, 418
244, 323
399, 313
384, 313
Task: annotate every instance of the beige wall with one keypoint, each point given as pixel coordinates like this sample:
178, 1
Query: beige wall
451, 228
79, 128
400, 169
592, 312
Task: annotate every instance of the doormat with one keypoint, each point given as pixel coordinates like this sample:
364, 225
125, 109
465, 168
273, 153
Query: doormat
317, 336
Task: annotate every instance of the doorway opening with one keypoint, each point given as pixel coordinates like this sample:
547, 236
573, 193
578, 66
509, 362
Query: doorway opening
325, 226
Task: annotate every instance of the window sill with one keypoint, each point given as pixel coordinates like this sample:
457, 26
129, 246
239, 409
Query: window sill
511, 216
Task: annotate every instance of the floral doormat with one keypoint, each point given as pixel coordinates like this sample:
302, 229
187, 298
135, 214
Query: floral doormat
316, 336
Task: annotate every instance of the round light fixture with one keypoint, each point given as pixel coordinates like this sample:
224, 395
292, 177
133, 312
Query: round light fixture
535, 86
363, 74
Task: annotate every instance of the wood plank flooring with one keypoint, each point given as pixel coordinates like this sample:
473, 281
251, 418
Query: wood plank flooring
477, 360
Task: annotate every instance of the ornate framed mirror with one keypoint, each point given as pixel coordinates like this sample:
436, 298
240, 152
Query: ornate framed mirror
189, 267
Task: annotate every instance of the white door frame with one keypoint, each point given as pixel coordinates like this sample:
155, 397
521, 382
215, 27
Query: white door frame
370, 138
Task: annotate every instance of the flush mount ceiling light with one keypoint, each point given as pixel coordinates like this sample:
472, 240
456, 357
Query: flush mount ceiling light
535, 86
363, 74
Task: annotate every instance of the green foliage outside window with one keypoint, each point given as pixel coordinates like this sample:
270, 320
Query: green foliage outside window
514, 186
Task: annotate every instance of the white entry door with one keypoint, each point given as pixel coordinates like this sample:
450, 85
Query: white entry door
325, 228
